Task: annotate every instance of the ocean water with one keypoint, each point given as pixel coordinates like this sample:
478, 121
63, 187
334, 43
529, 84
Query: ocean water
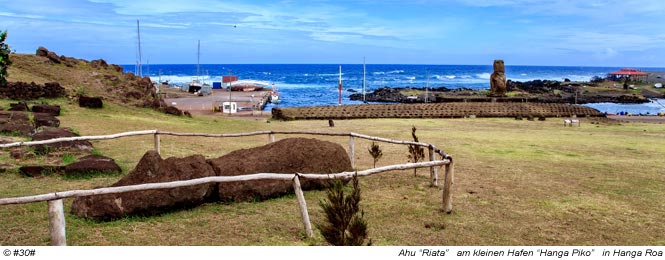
316, 84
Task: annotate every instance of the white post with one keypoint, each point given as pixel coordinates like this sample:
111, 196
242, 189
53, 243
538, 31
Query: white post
433, 171
271, 138
157, 143
447, 188
352, 151
303, 207
56, 217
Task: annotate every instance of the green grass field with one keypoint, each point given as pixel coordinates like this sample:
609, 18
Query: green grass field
517, 183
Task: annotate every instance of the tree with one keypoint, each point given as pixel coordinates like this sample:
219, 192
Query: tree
4, 58
416, 152
375, 152
344, 224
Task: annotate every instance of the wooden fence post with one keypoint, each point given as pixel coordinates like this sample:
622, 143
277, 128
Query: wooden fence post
271, 138
303, 206
433, 171
157, 143
447, 188
352, 151
56, 216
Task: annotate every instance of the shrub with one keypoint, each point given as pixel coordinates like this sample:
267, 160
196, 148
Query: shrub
344, 224
4, 58
375, 152
416, 152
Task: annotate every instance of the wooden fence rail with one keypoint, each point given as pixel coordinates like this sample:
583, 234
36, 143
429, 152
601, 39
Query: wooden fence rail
55, 203
271, 138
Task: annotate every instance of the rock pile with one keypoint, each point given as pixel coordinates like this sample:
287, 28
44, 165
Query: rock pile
286, 156
29, 91
150, 169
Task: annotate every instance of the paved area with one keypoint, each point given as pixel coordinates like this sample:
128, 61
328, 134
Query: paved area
204, 104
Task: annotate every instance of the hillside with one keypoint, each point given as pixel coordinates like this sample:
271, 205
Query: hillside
91, 78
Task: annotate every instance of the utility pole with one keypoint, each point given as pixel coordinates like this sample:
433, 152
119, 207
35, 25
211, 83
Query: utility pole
364, 71
138, 32
427, 87
230, 81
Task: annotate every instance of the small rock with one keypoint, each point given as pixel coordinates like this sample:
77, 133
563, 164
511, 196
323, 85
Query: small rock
18, 153
40, 170
92, 164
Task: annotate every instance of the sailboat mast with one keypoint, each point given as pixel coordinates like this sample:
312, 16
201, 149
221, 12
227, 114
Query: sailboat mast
364, 71
339, 101
198, 60
138, 32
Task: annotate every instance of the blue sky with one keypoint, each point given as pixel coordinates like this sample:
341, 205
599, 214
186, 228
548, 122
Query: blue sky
522, 32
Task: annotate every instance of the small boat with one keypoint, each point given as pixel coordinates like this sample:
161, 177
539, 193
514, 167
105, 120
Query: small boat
274, 95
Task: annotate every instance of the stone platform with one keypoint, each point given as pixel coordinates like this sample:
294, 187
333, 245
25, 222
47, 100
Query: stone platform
436, 110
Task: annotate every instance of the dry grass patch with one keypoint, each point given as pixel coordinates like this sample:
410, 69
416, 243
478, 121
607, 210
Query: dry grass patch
517, 183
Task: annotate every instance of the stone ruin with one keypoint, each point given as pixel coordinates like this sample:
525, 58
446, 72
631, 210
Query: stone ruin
498, 80
287, 156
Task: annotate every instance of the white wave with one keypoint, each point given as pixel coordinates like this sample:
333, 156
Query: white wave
444, 77
395, 71
411, 78
378, 73
484, 75
177, 79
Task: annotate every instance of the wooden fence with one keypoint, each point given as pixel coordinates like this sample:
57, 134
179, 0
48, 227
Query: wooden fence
55, 203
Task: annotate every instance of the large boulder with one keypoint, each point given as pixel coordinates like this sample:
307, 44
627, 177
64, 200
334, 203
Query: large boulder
288, 156
42, 51
20, 106
51, 133
15, 122
90, 102
51, 110
150, 169
44, 119
92, 164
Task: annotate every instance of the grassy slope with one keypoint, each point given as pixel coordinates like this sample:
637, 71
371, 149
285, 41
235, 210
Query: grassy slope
517, 183
82, 78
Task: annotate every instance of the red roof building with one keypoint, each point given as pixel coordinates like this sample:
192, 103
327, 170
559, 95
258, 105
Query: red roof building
627, 73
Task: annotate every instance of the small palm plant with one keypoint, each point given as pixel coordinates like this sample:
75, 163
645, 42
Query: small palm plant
416, 152
375, 152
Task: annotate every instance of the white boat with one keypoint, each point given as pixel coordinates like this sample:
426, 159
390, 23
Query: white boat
198, 86
274, 95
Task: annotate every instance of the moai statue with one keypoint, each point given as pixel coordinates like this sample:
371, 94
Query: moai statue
498, 80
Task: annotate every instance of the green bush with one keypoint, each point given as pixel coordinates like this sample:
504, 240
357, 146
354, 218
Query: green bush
375, 152
416, 152
344, 224
4, 58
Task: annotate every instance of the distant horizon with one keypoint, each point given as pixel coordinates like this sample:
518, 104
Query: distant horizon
612, 33
412, 64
